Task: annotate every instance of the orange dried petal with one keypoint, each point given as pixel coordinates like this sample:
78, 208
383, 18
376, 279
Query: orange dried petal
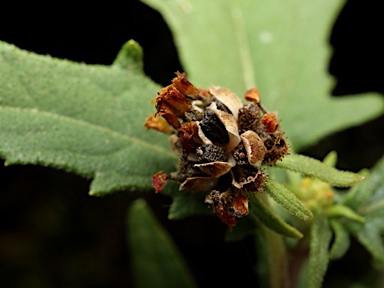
223, 215
152, 122
270, 122
241, 205
184, 86
159, 180
252, 95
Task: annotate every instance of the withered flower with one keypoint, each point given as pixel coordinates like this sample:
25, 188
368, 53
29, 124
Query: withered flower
221, 144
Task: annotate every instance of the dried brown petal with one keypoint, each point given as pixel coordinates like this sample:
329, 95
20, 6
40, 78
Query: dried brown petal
228, 98
159, 180
187, 133
230, 125
204, 92
224, 216
172, 104
254, 146
175, 144
252, 95
270, 122
215, 169
152, 122
240, 206
199, 184
184, 86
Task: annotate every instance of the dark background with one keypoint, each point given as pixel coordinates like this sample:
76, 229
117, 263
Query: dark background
52, 234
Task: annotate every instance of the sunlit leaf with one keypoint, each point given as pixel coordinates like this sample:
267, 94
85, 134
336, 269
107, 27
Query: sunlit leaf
281, 46
343, 211
288, 200
86, 119
312, 167
155, 258
330, 159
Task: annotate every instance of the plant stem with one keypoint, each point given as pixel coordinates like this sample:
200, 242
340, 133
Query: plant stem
272, 257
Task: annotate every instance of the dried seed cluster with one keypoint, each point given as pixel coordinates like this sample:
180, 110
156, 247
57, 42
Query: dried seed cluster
221, 143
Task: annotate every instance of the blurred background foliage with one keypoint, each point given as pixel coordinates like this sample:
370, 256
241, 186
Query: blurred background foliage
52, 234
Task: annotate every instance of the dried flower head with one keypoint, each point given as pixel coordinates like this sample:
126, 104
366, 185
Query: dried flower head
221, 144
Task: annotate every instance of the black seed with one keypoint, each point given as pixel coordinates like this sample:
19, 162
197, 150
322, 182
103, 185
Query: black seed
210, 153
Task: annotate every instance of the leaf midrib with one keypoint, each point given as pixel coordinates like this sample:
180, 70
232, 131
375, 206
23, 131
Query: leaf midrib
112, 133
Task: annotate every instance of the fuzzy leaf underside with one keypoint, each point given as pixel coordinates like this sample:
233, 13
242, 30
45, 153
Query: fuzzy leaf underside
367, 198
86, 119
155, 258
341, 242
318, 259
288, 200
270, 219
312, 167
281, 46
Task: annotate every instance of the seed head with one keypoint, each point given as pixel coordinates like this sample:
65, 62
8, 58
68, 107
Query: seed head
221, 144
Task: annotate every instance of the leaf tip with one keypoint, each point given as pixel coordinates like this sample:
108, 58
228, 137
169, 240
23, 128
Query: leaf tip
129, 56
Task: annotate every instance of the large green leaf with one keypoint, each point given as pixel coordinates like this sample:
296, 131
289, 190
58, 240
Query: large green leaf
155, 258
82, 118
279, 45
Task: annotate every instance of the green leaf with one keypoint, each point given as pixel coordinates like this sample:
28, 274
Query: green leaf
318, 257
343, 211
272, 260
368, 200
281, 46
312, 167
186, 204
331, 159
341, 240
370, 234
86, 119
155, 258
370, 192
288, 200
260, 210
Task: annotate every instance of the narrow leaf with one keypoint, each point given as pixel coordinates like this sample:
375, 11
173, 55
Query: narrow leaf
318, 257
368, 199
288, 200
330, 159
343, 211
281, 46
272, 260
370, 234
341, 241
312, 167
86, 119
266, 216
155, 258
369, 192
